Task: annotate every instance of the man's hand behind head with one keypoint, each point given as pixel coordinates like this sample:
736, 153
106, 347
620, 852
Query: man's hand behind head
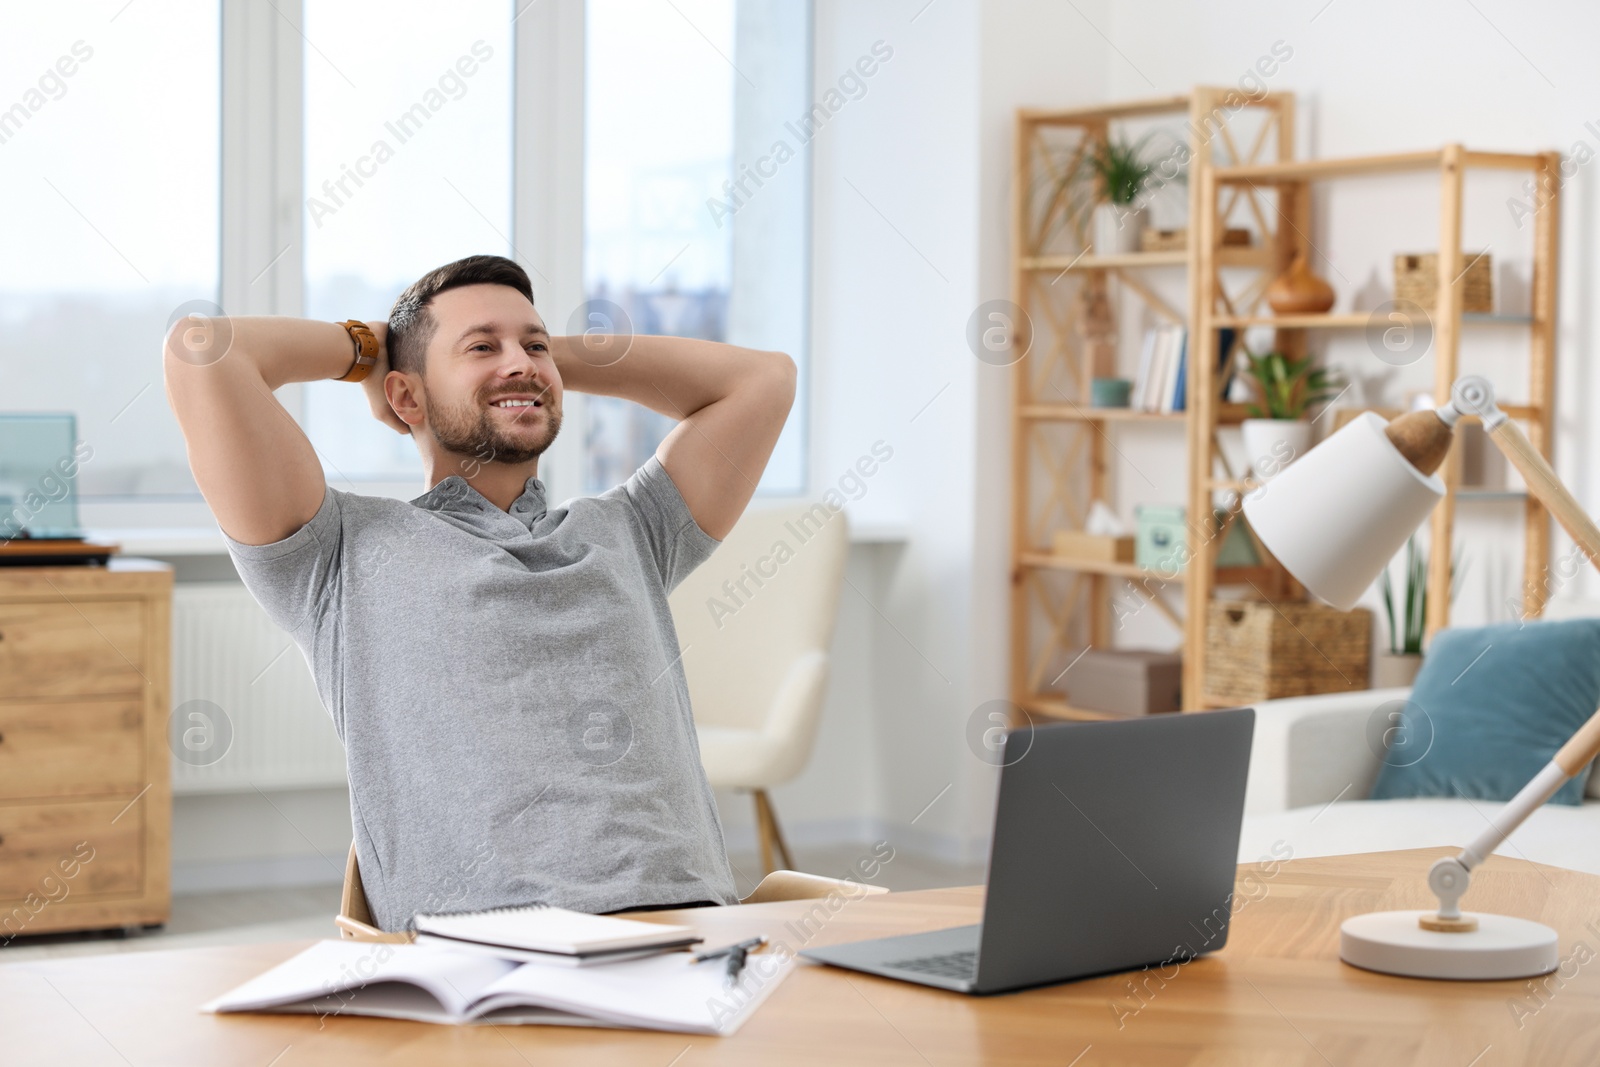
372, 384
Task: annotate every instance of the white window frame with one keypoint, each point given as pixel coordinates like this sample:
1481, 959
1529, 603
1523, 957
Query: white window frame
261, 229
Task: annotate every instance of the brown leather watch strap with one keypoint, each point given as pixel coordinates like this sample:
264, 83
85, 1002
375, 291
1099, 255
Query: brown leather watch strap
366, 346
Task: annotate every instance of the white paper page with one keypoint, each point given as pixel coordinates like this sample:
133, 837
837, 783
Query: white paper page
669, 992
334, 970
551, 930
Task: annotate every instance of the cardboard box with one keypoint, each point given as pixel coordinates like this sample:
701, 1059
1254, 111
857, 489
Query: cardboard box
1126, 681
1075, 544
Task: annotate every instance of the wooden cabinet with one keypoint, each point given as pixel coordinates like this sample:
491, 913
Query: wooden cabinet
85, 772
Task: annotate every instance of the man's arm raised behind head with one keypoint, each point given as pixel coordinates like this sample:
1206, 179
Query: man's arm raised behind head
730, 403
254, 465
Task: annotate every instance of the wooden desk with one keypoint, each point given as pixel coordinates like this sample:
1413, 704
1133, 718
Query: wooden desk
1276, 995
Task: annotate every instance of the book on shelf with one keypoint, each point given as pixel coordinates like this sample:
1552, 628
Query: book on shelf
1162, 383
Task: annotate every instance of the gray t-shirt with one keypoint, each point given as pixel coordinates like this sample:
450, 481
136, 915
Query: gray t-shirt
510, 693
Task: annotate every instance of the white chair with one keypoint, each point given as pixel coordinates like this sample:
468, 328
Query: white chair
355, 916
755, 622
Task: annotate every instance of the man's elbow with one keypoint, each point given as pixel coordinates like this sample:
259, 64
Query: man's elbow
782, 378
195, 341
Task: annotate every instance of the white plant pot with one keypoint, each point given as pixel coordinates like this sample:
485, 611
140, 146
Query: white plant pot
1391, 670
1117, 229
1272, 444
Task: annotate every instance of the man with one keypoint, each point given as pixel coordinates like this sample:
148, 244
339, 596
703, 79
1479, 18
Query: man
504, 675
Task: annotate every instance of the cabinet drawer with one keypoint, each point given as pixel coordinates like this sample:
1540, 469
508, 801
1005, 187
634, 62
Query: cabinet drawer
35, 839
61, 749
84, 648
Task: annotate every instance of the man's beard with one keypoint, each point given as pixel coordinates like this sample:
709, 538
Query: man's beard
469, 430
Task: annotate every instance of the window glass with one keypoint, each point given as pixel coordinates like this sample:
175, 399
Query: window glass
407, 167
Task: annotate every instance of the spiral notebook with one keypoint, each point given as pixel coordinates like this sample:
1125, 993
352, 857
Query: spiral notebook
423, 983
547, 931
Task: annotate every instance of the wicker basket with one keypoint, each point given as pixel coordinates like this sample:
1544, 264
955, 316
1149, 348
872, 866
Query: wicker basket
1416, 278
1259, 651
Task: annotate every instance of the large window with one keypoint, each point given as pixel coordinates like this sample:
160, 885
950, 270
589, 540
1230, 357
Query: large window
407, 167
109, 142
694, 218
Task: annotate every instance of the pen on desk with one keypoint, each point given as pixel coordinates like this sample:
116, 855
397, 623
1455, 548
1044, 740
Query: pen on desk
743, 946
735, 965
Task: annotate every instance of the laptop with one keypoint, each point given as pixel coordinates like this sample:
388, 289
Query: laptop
38, 498
1115, 846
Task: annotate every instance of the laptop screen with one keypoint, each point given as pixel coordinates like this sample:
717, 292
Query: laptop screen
38, 474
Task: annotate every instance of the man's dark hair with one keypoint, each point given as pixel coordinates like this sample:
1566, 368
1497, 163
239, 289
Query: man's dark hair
411, 324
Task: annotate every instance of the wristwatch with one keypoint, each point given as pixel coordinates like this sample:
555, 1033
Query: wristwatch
366, 345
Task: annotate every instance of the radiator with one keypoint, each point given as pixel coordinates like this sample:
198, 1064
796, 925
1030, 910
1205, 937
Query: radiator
246, 714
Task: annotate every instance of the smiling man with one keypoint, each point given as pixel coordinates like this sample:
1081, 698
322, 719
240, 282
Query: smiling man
504, 674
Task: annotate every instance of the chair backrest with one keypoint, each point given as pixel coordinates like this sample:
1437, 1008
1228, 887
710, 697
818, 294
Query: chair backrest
769, 594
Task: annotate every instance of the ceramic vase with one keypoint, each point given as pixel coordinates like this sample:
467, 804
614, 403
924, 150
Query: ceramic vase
1117, 228
1299, 292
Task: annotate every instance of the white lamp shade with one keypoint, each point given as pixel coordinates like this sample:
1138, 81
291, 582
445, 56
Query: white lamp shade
1336, 516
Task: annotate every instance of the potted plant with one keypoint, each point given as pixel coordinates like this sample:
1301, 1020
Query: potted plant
1277, 431
1117, 175
1407, 622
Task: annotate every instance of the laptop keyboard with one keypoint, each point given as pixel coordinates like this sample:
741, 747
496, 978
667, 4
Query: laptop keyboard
962, 965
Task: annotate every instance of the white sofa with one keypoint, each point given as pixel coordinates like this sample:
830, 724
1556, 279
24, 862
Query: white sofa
1311, 767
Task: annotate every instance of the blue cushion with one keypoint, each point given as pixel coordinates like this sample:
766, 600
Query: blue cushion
1489, 710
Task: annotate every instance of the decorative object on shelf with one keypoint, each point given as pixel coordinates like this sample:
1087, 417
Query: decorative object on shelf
1177, 240
1277, 431
1416, 278
1117, 174
1101, 548
1110, 392
1335, 521
1126, 681
1297, 291
1162, 537
1097, 326
1154, 240
1257, 650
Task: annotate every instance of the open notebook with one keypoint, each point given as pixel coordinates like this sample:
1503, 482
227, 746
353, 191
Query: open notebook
445, 985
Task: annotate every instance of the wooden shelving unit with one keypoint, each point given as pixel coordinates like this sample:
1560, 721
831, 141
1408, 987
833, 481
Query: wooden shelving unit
1290, 182
1056, 433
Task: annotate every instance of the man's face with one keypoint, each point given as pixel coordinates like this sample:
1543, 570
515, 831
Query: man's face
491, 388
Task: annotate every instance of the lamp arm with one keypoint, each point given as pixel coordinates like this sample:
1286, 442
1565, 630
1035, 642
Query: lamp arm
1450, 876
1546, 486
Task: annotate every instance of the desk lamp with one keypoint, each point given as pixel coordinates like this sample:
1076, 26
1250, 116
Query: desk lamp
1334, 519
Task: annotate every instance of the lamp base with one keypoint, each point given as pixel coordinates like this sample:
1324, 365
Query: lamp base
1502, 947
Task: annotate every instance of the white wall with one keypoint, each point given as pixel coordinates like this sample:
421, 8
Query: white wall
911, 192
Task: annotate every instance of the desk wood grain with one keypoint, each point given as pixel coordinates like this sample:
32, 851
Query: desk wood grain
1276, 994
